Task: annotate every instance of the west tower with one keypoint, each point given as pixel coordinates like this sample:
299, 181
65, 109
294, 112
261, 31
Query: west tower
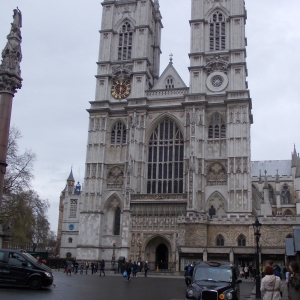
218, 109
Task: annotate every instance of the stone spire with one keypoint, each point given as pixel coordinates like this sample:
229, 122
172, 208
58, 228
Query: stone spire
10, 72
297, 175
266, 181
294, 158
156, 4
277, 177
259, 177
71, 177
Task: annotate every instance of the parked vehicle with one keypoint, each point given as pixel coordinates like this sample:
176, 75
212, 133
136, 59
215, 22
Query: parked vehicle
20, 268
213, 281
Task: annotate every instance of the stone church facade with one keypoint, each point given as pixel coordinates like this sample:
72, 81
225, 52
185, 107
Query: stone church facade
168, 174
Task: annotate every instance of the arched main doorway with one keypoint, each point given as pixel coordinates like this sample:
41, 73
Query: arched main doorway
162, 256
158, 252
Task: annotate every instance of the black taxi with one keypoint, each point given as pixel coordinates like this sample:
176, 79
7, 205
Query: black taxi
214, 281
20, 268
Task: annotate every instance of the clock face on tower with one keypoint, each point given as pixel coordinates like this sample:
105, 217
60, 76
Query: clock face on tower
121, 89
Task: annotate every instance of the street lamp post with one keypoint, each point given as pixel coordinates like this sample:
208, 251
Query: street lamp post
256, 227
113, 260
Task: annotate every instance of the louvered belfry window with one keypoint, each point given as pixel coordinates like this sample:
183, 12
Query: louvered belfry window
217, 128
165, 159
217, 32
125, 42
118, 134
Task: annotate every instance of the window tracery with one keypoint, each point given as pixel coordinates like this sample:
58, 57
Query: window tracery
285, 195
217, 32
220, 240
271, 195
241, 241
216, 175
117, 221
118, 134
217, 128
165, 159
125, 42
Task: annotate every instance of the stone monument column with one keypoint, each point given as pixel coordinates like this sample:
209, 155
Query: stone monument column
10, 81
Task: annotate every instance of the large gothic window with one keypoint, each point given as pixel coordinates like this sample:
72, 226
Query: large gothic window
165, 159
125, 42
271, 196
118, 134
285, 195
117, 221
217, 32
217, 128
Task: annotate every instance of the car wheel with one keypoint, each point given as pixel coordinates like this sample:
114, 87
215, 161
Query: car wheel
35, 283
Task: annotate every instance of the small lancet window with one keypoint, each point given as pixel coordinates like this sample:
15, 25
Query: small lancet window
217, 32
242, 241
220, 240
169, 83
117, 222
217, 128
125, 42
118, 134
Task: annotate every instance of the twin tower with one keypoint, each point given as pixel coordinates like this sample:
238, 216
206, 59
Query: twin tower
162, 158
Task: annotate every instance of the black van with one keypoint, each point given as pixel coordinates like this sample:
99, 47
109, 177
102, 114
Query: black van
20, 268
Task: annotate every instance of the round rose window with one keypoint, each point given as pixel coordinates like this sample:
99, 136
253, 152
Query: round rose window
217, 81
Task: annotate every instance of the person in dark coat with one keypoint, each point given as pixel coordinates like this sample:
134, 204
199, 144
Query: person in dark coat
128, 270
134, 269
294, 281
102, 267
188, 274
146, 268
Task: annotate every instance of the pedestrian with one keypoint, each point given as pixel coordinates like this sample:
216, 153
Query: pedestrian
69, 268
81, 268
271, 285
139, 266
128, 270
75, 269
134, 269
284, 270
188, 274
254, 272
86, 267
250, 271
102, 267
277, 271
146, 268
246, 271
96, 267
293, 280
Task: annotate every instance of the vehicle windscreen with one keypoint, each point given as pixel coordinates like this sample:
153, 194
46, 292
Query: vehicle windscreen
31, 258
215, 274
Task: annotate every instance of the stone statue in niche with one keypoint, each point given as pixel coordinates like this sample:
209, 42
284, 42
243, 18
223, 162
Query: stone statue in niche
212, 211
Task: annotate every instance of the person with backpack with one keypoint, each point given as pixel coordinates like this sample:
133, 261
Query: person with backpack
128, 270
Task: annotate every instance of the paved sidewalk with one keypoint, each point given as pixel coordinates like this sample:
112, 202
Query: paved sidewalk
284, 297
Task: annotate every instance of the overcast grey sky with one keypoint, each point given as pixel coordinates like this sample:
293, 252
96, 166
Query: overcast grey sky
60, 49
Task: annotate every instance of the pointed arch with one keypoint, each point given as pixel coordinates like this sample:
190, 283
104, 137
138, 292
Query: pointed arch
271, 195
218, 202
127, 19
217, 127
118, 133
288, 212
216, 174
285, 194
113, 201
165, 159
220, 241
241, 241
